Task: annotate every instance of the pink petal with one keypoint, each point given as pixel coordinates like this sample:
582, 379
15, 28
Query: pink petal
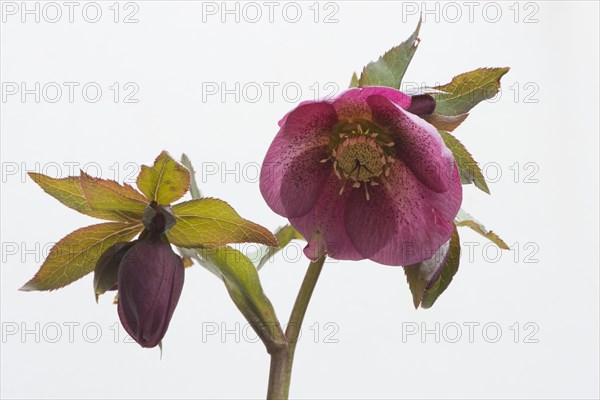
370, 223
292, 174
423, 218
352, 103
418, 143
323, 227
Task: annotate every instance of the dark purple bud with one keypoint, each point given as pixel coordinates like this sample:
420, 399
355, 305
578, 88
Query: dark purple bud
106, 272
422, 104
150, 283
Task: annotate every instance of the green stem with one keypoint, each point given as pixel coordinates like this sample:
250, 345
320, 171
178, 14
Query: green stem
283, 359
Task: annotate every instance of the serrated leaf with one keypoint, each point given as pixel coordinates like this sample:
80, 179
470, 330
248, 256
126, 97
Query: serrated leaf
284, 236
446, 123
467, 166
465, 219
69, 192
445, 277
243, 284
208, 223
106, 195
194, 190
76, 254
389, 69
467, 90
165, 182
422, 276
354, 80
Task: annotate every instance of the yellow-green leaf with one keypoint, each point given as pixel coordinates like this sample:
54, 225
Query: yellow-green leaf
423, 278
467, 90
354, 80
467, 166
284, 236
243, 283
465, 219
208, 222
76, 254
449, 270
165, 182
69, 192
389, 69
107, 195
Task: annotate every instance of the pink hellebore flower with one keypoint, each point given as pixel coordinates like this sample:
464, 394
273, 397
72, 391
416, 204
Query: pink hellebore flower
363, 176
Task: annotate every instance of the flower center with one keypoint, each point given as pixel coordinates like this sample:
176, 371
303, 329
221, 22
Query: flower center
361, 153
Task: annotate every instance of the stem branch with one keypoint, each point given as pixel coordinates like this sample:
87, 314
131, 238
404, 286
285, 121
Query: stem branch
282, 359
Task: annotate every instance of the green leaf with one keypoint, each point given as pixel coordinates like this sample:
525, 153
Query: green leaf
465, 219
449, 270
284, 236
69, 192
467, 90
208, 222
165, 182
446, 123
354, 80
467, 166
76, 254
422, 276
107, 195
242, 281
194, 190
390, 68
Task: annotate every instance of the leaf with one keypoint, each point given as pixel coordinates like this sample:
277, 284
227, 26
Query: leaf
284, 236
242, 282
194, 190
76, 254
422, 276
165, 182
389, 69
69, 192
445, 122
465, 219
467, 166
354, 80
467, 90
208, 222
449, 270
107, 195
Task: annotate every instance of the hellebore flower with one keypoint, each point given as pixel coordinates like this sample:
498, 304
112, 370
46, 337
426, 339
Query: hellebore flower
149, 277
150, 284
363, 176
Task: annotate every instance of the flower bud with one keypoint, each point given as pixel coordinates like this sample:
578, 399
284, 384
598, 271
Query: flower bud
150, 283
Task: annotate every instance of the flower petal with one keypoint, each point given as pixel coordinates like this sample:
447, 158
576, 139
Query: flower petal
422, 104
292, 173
352, 103
369, 222
418, 143
423, 218
323, 227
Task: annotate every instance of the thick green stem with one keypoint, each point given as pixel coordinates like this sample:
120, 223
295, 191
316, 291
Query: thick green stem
283, 359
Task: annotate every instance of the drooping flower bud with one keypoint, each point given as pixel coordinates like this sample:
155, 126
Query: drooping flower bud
150, 283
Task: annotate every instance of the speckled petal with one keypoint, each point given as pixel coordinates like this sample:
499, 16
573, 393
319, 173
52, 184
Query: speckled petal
418, 143
352, 103
323, 227
292, 174
423, 218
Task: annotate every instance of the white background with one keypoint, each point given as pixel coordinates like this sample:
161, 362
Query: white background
548, 213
